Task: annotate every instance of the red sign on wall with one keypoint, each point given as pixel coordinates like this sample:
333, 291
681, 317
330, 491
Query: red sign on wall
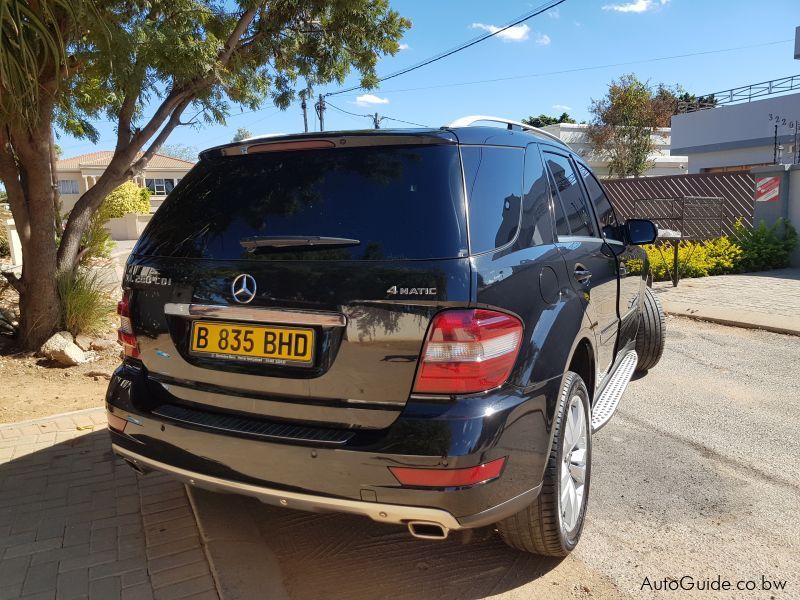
768, 189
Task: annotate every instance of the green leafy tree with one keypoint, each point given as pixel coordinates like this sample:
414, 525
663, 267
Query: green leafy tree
181, 151
625, 121
144, 65
242, 134
545, 120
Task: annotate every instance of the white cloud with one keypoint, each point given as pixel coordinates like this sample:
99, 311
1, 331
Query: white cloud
371, 100
638, 6
554, 13
517, 33
542, 39
404, 47
563, 107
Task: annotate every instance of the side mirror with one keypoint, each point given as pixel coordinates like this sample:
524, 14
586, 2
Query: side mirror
640, 231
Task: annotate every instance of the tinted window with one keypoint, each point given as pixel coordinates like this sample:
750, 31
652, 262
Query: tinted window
399, 202
570, 192
494, 189
537, 226
602, 206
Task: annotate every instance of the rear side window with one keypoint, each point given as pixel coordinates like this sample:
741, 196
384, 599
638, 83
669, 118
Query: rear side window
602, 206
403, 202
493, 177
576, 209
536, 225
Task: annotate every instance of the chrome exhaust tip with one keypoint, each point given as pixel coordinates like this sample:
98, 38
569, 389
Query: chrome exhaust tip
428, 530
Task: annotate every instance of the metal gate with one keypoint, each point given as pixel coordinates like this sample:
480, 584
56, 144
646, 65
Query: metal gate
701, 206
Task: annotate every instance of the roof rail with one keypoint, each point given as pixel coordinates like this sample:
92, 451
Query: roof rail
472, 119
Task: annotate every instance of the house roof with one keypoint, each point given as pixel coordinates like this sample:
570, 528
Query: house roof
102, 158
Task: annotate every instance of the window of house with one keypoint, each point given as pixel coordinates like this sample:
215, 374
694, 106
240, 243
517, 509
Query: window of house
68, 186
159, 187
570, 193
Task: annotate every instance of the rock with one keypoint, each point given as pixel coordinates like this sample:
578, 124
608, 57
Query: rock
63, 350
104, 344
98, 374
83, 341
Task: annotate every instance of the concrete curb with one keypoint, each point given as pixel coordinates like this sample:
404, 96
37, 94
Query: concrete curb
733, 317
242, 564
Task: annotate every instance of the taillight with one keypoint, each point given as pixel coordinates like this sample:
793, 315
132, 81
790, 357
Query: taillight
468, 351
415, 477
125, 332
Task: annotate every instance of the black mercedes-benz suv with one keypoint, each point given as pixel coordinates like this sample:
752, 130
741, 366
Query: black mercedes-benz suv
424, 327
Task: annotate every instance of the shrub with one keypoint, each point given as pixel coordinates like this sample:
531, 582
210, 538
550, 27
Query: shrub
763, 247
85, 304
695, 259
126, 199
723, 255
96, 242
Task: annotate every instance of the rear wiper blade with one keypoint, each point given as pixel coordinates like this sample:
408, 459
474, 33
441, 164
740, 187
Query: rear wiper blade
292, 241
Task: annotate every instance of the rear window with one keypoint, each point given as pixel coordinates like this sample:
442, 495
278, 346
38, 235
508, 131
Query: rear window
403, 202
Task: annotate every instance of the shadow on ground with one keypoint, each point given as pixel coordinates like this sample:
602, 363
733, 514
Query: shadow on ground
342, 556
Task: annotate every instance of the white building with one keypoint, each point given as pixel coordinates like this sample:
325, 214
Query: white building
79, 173
739, 137
576, 137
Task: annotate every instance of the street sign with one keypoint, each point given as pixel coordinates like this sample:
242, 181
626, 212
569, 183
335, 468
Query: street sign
768, 189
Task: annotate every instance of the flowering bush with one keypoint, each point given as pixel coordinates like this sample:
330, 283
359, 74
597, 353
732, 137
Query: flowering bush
747, 250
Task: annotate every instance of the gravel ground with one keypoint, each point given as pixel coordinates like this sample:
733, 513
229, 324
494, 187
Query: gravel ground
697, 475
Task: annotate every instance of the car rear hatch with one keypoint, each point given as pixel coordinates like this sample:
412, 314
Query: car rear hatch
295, 280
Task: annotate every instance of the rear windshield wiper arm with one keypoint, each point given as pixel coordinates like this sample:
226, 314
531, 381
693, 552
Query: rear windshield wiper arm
292, 241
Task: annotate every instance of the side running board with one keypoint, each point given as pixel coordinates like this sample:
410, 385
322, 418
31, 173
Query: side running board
606, 405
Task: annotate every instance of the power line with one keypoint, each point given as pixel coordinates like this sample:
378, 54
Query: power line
374, 117
463, 46
583, 69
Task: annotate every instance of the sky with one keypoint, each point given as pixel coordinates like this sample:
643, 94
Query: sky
556, 62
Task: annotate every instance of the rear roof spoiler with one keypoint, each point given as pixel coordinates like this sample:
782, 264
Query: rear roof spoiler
332, 139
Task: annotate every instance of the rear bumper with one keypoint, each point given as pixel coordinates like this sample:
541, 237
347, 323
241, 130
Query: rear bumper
354, 477
384, 513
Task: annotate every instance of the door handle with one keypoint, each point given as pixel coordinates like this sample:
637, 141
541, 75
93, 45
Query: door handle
582, 275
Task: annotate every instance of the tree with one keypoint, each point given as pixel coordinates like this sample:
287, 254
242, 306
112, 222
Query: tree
545, 120
625, 121
242, 134
143, 64
181, 151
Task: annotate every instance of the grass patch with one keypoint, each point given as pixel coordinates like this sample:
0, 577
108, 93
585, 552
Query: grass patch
85, 302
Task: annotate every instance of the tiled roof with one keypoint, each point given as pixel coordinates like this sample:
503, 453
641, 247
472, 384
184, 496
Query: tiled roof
101, 158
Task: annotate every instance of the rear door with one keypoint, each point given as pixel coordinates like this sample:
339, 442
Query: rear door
300, 284
591, 264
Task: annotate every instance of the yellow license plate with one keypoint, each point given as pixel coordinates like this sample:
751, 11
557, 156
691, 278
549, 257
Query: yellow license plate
254, 343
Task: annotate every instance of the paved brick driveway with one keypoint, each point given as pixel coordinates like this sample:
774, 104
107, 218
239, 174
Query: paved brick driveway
75, 522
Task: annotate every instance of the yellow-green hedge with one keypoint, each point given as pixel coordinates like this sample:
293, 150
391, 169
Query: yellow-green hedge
126, 199
757, 249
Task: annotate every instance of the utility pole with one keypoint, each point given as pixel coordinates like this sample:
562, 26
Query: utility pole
320, 108
305, 110
377, 121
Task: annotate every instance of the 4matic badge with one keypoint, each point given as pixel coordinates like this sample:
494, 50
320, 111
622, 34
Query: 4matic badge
411, 291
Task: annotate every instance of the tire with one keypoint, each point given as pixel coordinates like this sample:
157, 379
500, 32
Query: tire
651, 334
543, 528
